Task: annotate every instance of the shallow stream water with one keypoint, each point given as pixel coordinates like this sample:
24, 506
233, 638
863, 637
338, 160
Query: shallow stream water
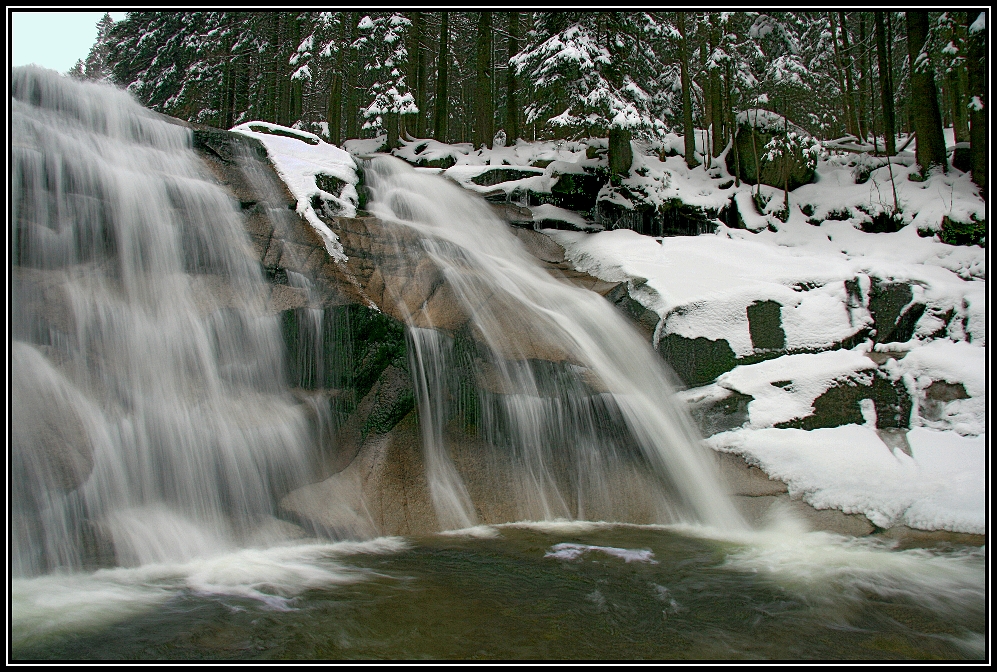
523, 591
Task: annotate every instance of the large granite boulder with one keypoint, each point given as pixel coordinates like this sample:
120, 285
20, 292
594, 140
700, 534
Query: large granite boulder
755, 128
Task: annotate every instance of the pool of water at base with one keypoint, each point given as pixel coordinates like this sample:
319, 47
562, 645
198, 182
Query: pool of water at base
524, 591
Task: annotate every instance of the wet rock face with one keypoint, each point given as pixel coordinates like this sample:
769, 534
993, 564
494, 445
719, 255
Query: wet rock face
48, 434
713, 416
673, 218
697, 361
894, 313
765, 325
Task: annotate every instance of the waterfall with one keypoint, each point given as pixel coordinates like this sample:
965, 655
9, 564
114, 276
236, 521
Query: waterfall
150, 418
151, 414
578, 409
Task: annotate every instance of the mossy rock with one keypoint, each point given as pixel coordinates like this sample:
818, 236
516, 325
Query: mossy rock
495, 176
284, 133
330, 184
765, 325
673, 218
577, 191
222, 144
393, 399
894, 316
770, 173
840, 405
963, 233
697, 361
882, 222
346, 348
721, 415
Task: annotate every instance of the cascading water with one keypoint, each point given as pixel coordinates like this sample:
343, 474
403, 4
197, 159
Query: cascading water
579, 408
152, 427
143, 365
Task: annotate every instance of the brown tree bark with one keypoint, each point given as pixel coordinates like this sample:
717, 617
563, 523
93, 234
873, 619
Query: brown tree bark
352, 101
688, 128
886, 86
924, 97
334, 112
511, 98
442, 106
484, 122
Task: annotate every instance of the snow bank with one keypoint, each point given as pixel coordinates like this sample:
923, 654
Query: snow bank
940, 486
298, 157
702, 285
953, 363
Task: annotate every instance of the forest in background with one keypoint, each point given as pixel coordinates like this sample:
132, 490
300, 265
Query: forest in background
463, 76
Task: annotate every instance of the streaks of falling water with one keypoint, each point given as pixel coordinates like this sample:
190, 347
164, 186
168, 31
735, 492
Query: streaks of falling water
581, 407
144, 365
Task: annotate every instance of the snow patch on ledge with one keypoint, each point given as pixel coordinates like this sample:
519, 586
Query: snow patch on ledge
298, 156
941, 485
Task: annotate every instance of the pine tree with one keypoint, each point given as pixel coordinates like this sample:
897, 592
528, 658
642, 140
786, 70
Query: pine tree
688, 128
586, 78
382, 42
96, 66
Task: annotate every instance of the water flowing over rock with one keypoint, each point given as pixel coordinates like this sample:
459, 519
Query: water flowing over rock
571, 413
149, 403
189, 362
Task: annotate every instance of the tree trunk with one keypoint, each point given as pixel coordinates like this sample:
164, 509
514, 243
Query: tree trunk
334, 112
414, 123
845, 90
421, 92
274, 92
886, 86
867, 111
391, 129
442, 100
704, 54
352, 103
732, 125
976, 64
849, 63
924, 97
620, 153
689, 129
511, 102
785, 167
484, 122
960, 120
716, 94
